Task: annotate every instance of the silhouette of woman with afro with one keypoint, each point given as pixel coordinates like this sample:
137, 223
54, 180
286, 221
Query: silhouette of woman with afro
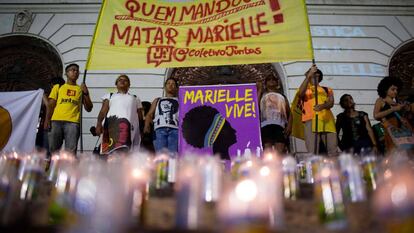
205, 127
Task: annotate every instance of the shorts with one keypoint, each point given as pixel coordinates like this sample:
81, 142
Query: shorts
272, 134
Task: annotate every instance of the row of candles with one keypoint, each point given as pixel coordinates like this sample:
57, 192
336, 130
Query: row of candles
89, 194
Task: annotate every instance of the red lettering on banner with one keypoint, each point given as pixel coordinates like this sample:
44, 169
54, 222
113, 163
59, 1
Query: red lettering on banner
275, 6
165, 13
132, 6
148, 35
145, 8
246, 27
187, 11
165, 54
116, 32
195, 12
159, 54
223, 5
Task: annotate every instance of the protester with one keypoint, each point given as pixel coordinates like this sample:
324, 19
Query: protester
42, 141
122, 113
275, 117
65, 106
390, 112
164, 115
325, 120
357, 133
147, 139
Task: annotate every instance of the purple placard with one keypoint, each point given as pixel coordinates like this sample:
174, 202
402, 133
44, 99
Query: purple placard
219, 119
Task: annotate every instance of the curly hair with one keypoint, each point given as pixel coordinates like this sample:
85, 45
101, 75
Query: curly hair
386, 83
203, 127
201, 117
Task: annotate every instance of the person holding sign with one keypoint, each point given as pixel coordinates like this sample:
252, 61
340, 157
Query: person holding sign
164, 114
65, 106
275, 117
317, 115
122, 112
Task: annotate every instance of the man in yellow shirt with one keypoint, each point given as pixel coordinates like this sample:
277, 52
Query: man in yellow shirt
65, 106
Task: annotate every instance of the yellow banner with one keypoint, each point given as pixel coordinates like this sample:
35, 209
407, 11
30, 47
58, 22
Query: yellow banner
159, 33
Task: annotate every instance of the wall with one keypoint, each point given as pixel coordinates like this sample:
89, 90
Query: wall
353, 42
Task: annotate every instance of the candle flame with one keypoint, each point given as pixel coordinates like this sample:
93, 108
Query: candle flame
325, 173
246, 190
136, 173
399, 194
265, 171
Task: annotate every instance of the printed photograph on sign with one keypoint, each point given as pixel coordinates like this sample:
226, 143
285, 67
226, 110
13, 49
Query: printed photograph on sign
219, 119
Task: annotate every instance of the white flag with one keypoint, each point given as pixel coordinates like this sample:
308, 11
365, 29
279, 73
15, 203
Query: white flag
19, 115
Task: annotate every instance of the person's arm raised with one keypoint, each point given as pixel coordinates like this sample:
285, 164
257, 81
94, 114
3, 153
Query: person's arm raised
308, 76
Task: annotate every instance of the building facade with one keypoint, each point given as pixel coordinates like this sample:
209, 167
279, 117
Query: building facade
356, 43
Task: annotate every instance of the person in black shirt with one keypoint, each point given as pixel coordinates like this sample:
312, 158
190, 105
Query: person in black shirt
356, 128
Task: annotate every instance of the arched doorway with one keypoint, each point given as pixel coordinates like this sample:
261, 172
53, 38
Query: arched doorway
234, 74
402, 66
27, 63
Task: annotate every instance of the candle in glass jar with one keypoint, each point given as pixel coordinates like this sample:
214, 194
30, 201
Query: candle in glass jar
188, 195
329, 197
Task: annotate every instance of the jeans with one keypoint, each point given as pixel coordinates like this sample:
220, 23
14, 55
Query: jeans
166, 138
62, 130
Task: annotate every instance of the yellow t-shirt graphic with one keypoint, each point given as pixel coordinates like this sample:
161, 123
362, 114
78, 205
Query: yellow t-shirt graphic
67, 102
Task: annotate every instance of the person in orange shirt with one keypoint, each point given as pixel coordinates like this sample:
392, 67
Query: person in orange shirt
318, 115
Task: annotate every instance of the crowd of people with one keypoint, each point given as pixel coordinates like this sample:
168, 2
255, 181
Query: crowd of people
125, 123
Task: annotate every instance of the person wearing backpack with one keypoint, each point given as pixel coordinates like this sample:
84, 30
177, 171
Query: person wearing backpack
318, 120
65, 106
357, 133
122, 113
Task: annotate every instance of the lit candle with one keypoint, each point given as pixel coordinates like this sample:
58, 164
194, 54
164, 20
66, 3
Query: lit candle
137, 177
9, 185
329, 197
254, 203
188, 195
394, 197
271, 186
161, 172
290, 182
353, 186
63, 177
211, 174
243, 209
138, 195
369, 168
59, 161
